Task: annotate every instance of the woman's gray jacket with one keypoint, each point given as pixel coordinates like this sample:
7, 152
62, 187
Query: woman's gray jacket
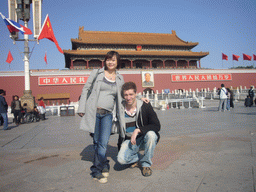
89, 107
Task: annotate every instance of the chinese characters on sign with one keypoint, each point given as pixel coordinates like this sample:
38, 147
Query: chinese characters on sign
62, 80
200, 77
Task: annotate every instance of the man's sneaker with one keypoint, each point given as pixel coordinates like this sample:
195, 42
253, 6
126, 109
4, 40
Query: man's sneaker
146, 171
105, 172
101, 179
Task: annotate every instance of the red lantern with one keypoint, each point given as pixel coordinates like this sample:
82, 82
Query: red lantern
139, 47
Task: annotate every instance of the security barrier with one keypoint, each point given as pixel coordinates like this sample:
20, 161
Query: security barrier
67, 110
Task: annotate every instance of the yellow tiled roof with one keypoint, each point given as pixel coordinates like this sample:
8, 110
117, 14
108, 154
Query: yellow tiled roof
137, 53
132, 38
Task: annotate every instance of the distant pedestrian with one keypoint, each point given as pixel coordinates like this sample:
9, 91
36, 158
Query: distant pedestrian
26, 108
223, 98
16, 109
228, 99
3, 108
251, 94
42, 109
231, 98
247, 101
36, 113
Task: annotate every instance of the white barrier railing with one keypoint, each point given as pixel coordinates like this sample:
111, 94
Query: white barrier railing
179, 97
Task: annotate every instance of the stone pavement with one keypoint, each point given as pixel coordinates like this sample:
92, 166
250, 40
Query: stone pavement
200, 150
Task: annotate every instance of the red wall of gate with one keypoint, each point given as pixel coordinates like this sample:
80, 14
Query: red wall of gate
14, 85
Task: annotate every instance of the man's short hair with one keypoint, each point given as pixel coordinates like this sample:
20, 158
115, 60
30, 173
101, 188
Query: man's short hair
146, 74
128, 85
222, 85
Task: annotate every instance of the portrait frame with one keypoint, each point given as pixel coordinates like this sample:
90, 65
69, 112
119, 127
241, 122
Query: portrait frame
149, 82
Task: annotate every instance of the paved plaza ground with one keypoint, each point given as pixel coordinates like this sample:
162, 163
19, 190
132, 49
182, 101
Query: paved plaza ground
200, 150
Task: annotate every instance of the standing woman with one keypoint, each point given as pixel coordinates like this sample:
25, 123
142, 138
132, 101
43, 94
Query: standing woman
43, 110
98, 108
231, 98
16, 109
228, 99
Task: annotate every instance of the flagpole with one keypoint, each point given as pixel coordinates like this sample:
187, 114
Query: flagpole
45, 59
252, 61
26, 60
221, 60
27, 97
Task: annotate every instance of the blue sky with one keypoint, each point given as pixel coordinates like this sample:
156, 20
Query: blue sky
227, 26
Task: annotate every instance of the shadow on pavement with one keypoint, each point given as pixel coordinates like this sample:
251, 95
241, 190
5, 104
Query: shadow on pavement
119, 167
88, 153
254, 113
10, 127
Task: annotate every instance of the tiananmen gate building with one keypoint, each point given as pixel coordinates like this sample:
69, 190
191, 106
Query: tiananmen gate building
168, 59
137, 50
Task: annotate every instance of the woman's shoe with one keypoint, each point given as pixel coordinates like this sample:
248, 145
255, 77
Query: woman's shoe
105, 172
100, 178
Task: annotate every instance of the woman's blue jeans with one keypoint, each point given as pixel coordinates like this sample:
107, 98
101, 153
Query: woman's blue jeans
101, 136
228, 104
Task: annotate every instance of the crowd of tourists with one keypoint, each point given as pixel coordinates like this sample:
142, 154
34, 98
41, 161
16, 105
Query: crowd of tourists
21, 113
226, 98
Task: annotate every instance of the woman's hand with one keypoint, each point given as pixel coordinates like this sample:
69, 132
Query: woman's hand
81, 114
145, 100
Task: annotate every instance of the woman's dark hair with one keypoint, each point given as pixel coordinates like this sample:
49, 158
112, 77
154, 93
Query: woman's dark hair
41, 99
14, 97
128, 85
111, 54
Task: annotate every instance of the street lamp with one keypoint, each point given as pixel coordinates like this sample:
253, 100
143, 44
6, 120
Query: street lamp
20, 10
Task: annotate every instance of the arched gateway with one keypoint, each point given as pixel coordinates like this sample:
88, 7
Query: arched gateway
137, 50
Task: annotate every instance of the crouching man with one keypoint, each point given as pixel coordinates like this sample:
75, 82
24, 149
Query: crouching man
138, 131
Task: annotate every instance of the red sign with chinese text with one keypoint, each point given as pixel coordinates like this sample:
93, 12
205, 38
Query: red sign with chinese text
62, 80
200, 77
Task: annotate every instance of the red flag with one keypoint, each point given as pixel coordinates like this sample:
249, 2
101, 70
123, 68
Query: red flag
45, 58
9, 57
224, 57
247, 57
47, 32
254, 57
235, 57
